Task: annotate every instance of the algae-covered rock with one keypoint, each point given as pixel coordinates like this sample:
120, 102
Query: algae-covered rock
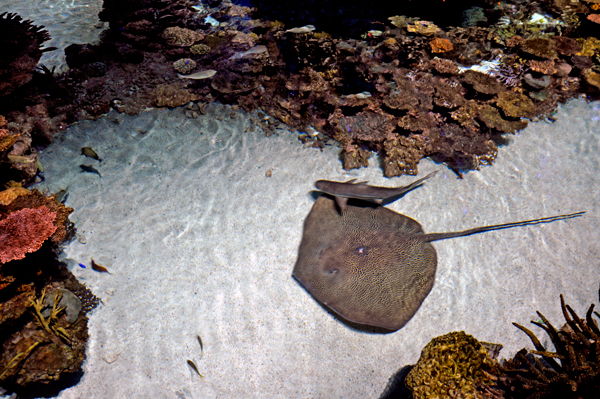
455, 365
355, 159
516, 105
540, 47
483, 83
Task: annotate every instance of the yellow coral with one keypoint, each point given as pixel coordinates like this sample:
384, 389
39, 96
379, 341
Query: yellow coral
425, 28
589, 46
9, 195
452, 366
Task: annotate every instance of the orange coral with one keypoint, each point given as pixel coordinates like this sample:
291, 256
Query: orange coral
6, 140
9, 195
594, 18
25, 231
440, 45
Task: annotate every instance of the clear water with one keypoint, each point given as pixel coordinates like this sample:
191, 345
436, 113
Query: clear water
200, 242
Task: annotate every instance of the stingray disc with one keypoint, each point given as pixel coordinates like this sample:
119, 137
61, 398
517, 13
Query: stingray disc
369, 265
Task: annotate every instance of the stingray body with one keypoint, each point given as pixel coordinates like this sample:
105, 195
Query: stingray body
371, 265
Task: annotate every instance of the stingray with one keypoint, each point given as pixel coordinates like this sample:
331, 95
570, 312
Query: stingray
371, 265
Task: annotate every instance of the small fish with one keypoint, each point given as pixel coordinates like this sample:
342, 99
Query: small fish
254, 50
82, 265
200, 342
89, 169
90, 153
209, 73
361, 190
301, 29
62, 195
193, 367
19, 159
99, 268
358, 96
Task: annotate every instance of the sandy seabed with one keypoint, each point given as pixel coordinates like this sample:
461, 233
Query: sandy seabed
201, 243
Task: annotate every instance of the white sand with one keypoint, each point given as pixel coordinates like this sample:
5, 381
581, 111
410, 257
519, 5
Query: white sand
200, 242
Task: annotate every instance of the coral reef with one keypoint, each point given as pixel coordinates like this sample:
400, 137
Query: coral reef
456, 365
42, 336
182, 37
400, 86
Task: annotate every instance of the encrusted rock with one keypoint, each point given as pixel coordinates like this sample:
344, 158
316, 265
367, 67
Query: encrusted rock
181, 37
455, 365
199, 49
68, 300
516, 105
184, 65
540, 47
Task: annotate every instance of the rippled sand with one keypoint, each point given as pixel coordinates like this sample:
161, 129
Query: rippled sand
200, 242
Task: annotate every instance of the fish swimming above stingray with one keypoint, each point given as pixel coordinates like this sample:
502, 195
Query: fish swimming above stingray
342, 191
373, 266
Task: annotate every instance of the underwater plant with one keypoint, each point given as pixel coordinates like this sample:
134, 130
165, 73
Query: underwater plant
571, 371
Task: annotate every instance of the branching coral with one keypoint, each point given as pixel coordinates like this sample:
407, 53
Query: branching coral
50, 325
571, 371
25, 231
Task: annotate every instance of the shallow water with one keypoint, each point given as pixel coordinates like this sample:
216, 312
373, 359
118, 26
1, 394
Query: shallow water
200, 242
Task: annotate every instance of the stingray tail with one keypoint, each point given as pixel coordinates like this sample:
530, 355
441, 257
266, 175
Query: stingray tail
442, 236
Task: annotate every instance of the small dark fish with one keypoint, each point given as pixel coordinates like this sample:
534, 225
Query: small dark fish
361, 190
89, 169
200, 342
90, 153
82, 265
193, 367
99, 268
61, 196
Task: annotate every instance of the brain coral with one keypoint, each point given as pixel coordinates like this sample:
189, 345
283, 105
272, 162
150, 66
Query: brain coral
454, 365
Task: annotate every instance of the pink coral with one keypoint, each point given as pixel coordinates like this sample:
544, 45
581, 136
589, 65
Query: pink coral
25, 231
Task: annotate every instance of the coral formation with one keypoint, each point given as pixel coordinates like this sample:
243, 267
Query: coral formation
184, 65
446, 92
25, 231
455, 365
21, 43
42, 337
176, 36
571, 371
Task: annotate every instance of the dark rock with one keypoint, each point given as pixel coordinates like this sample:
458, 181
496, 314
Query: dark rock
95, 69
78, 55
